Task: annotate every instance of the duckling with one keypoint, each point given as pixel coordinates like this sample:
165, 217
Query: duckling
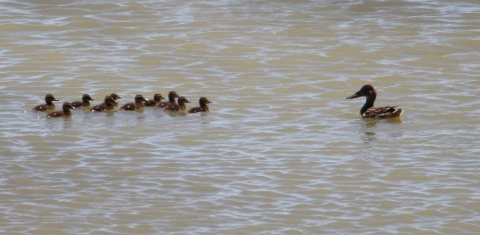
84, 103
157, 98
171, 100
139, 99
203, 106
178, 107
368, 110
65, 113
49, 106
105, 106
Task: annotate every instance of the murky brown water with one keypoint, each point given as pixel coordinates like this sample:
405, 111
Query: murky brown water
281, 152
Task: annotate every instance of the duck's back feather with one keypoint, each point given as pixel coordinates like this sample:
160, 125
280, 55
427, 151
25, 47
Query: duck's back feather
382, 112
60, 114
131, 107
165, 104
44, 107
150, 103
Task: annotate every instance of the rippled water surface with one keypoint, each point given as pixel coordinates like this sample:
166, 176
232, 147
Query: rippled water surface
281, 152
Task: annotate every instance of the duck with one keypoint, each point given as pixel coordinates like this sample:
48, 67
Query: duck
178, 107
203, 106
171, 100
105, 106
84, 103
115, 97
368, 110
139, 99
49, 106
157, 98
65, 113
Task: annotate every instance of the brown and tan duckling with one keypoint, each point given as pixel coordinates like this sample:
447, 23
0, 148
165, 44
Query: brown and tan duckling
49, 106
157, 98
65, 113
139, 99
171, 100
115, 97
203, 106
105, 106
178, 107
84, 103
368, 110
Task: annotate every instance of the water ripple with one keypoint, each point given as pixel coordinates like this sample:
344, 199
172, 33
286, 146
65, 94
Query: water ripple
282, 150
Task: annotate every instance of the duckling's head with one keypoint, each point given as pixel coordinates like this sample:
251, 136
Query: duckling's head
182, 100
109, 100
67, 106
203, 101
115, 96
172, 95
86, 97
158, 97
49, 98
139, 99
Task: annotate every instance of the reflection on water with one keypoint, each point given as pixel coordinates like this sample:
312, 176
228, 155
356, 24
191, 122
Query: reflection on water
376, 132
369, 127
67, 124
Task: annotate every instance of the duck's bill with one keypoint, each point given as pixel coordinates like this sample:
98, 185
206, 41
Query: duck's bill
356, 95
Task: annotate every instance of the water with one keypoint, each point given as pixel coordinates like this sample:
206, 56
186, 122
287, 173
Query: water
281, 152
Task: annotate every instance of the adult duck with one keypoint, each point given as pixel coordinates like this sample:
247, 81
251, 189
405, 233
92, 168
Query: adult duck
368, 110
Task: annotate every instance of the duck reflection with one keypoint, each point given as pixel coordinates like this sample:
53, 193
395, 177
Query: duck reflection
367, 133
67, 124
368, 129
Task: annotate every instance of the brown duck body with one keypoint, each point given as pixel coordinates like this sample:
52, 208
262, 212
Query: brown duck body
157, 98
178, 107
368, 110
203, 101
49, 106
65, 113
139, 99
85, 103
382, 112
171, 100
105, 106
